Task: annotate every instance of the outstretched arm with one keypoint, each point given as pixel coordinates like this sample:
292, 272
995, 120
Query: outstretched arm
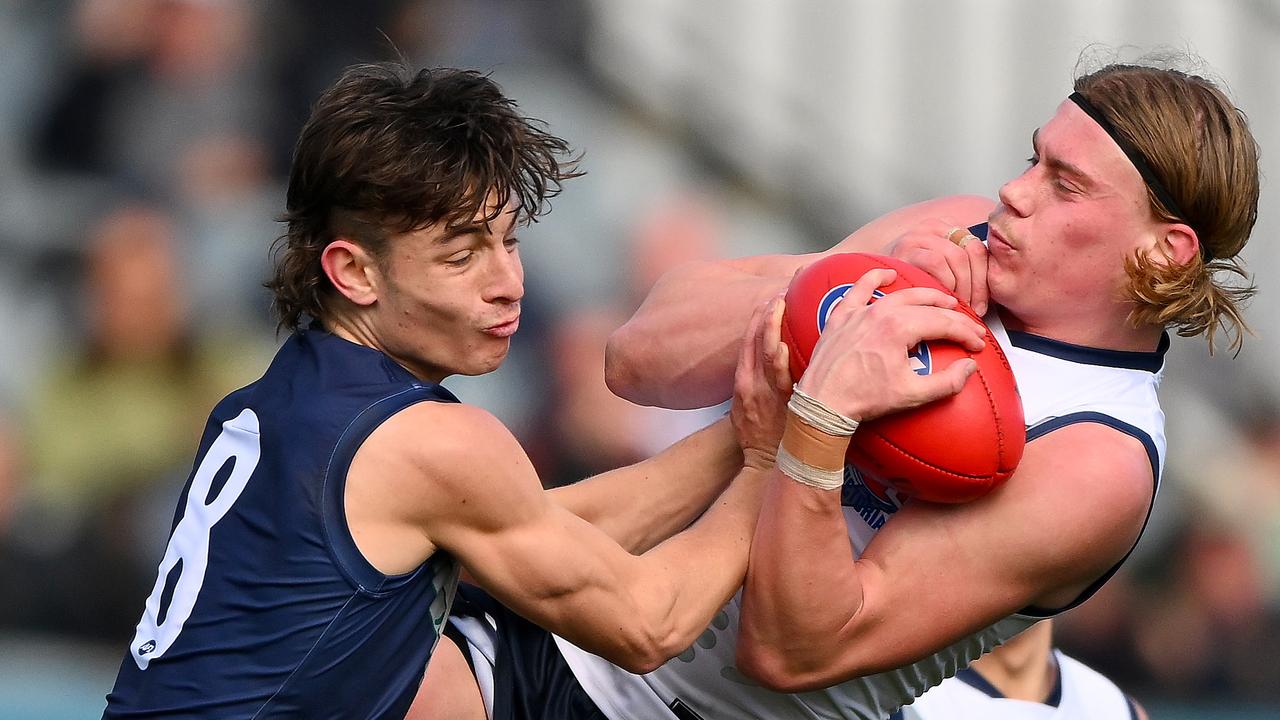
643, 504
468, 488
679, 348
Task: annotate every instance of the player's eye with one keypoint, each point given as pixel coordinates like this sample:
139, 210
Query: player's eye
459, 259
511, 243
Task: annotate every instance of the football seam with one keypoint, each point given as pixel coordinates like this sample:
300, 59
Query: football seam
995, 414
1000, 434
930, 465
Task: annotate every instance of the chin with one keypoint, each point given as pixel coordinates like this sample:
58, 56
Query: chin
486, 365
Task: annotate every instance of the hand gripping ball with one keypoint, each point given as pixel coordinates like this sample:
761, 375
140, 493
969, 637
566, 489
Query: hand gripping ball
952, 450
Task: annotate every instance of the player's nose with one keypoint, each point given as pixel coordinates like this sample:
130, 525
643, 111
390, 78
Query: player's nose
1017, 194
505, 282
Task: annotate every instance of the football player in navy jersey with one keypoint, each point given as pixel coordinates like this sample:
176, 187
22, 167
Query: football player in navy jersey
316, 546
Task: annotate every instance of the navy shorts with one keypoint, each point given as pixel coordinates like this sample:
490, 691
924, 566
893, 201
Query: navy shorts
519, 669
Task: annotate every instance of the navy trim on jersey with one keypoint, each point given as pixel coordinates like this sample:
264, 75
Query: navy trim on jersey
1126, 359
974, 679
1048, 426
1055, 695
1057, 423
346, 554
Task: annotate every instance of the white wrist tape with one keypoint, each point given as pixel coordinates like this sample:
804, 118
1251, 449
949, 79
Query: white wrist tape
798, 470
816, 415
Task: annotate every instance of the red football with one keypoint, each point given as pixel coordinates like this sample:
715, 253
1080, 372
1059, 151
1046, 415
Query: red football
952, 450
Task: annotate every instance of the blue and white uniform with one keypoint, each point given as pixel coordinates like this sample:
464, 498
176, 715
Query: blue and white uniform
1060, 384
263, 606
1080, 693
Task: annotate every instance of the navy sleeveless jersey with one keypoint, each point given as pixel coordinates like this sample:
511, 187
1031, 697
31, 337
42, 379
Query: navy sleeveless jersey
263, 606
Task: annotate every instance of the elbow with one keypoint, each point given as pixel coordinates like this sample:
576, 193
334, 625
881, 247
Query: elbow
792, 664
774, 671
622, 365
645, 649
640, 662
770, 669
654, 631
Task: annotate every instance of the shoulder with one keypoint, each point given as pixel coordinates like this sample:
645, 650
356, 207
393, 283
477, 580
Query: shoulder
444, 439
435, 465
1088, 489
1094, 460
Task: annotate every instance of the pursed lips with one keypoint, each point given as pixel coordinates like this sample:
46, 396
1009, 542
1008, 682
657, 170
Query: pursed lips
504, 327
995, 233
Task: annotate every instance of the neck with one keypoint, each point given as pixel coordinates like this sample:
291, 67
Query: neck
1104, 336
356, 330
1023, 668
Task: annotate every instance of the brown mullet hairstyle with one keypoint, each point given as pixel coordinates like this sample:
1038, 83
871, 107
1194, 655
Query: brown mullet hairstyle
388, 151
1200, 147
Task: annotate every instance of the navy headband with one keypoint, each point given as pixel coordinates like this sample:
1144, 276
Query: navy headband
1139, 161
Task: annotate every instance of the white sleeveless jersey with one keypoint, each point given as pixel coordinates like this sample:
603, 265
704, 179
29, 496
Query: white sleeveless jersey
1060, 384
1082, 694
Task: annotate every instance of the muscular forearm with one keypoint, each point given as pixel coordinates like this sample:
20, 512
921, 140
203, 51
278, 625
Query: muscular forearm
643, 504
639, 611
802, 587
687, 579
680, 348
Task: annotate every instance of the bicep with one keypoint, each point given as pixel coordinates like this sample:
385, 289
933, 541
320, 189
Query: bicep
528, 551
1054, 528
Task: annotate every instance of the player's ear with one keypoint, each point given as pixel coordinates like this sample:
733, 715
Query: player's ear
1176, 243
351, 270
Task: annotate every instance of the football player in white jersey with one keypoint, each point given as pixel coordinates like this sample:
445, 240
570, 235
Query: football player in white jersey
1025, 679
1141, 189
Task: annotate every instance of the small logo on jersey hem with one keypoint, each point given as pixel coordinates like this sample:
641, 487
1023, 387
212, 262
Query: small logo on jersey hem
147, 647
870, 506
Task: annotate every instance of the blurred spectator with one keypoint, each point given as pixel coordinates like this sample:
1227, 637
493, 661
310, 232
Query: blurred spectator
1241, 486
311, 42
11, 471
1210, 633
148, 77
114, 423
19, 596
681, 229
128, 407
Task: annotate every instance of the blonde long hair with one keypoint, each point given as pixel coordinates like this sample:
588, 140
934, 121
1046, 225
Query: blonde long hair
1200, 146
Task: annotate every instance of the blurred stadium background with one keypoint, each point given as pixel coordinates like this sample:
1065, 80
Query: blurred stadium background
143, 146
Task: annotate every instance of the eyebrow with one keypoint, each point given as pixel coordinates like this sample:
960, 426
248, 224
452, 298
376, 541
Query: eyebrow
1062, 166
458, 231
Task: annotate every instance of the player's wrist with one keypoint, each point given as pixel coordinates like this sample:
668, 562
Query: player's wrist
810, 455
814, 391
759, 458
